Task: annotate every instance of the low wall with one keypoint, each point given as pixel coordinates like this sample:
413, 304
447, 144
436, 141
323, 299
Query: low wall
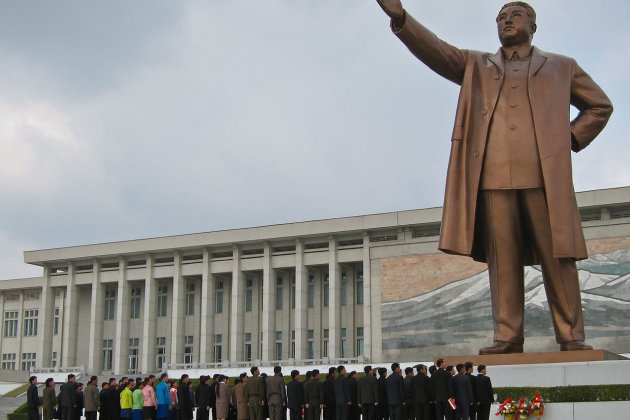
580, 411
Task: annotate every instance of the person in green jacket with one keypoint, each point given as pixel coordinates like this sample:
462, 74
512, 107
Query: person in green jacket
126, 400
138, 401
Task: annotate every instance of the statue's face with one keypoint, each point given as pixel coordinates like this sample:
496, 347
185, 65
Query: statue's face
515, 27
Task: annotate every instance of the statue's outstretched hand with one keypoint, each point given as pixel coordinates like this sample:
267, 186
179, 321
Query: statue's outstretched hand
393, 8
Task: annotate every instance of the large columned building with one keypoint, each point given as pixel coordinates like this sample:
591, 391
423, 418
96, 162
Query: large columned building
328, 290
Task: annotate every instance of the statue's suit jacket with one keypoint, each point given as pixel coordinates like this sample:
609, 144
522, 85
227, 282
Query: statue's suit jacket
555, 83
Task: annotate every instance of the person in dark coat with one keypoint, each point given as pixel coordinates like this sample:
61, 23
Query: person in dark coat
67, 398
382, 411
395, 392
342, 395
295, 395
184, 400
473, 380
329, 395
442, 390
422, 394
462, 389
367, 393
213, 395
485, 394
77, 412
102, 396
202, 398
314, 396
354, 411
32, 399
408, 405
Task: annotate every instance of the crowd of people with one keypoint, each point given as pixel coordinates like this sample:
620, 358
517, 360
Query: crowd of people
436, 392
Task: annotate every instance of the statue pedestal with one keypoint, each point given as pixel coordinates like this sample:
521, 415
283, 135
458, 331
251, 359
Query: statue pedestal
534, 358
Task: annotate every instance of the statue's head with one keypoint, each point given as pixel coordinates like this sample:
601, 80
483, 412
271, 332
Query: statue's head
516, 23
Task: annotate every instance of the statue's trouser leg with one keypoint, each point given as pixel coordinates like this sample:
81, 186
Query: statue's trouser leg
504, 214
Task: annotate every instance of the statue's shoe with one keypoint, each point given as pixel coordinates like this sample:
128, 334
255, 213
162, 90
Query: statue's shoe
502, 347
575, 345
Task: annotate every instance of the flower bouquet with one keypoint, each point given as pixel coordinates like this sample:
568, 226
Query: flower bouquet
537, 406
523, 408
507, 409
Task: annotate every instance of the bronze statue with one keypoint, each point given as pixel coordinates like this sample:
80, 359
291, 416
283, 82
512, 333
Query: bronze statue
509, 197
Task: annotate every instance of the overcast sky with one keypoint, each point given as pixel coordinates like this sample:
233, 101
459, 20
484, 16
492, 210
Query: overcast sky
134, 119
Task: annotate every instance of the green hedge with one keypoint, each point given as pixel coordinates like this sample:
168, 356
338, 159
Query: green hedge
20, 413
583, 393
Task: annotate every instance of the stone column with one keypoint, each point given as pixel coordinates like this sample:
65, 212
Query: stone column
70, 320
301, 304
268, 312
237, 316
149, 320
207, 310
121, 343
334, 314
367, 299
46, 320
95, 347
177, 315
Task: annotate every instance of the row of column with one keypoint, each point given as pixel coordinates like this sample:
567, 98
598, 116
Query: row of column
206, 336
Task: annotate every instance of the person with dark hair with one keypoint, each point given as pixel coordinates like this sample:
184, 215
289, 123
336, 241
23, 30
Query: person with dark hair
172, 389
422, 394
137, 401
77, 412
442, 390
202, 398
49, 400
395, 392
276, 394
32, 399
265, 408
354, 411
509, 199
92, 399
382, 410
367, 393
163, 398
111, 400
462, 389
184, 401
295, 395
329, 395
67, 398
103, 413
255, 392
149, 399
473, 381
222, 392
342, 394
240, 398
126, 397
485, 394
314, 396
407, 412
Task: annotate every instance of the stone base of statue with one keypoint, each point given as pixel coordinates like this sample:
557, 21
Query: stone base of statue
534, 358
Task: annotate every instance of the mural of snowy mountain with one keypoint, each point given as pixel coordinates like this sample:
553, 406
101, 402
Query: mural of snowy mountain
457, 318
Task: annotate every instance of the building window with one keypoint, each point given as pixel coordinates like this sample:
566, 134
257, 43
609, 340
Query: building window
343, 349
11, 323
56, 322
293, 294
110, 305
248, 347
188, 350
134, 344
278, 345
343, 290
8, 361
160, 353
293, 344
218, 339
134, 309
30, 322
28, 361
360, 288
249, 295
325, 343
219, 302
311, 291
108, 355
162, 300
310, 345
279, 294
190, 299
53, 359
326, 292
360, 342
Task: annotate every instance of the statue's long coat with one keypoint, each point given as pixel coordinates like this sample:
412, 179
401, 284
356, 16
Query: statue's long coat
555, 83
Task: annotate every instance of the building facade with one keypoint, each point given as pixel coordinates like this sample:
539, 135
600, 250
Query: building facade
324, 290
